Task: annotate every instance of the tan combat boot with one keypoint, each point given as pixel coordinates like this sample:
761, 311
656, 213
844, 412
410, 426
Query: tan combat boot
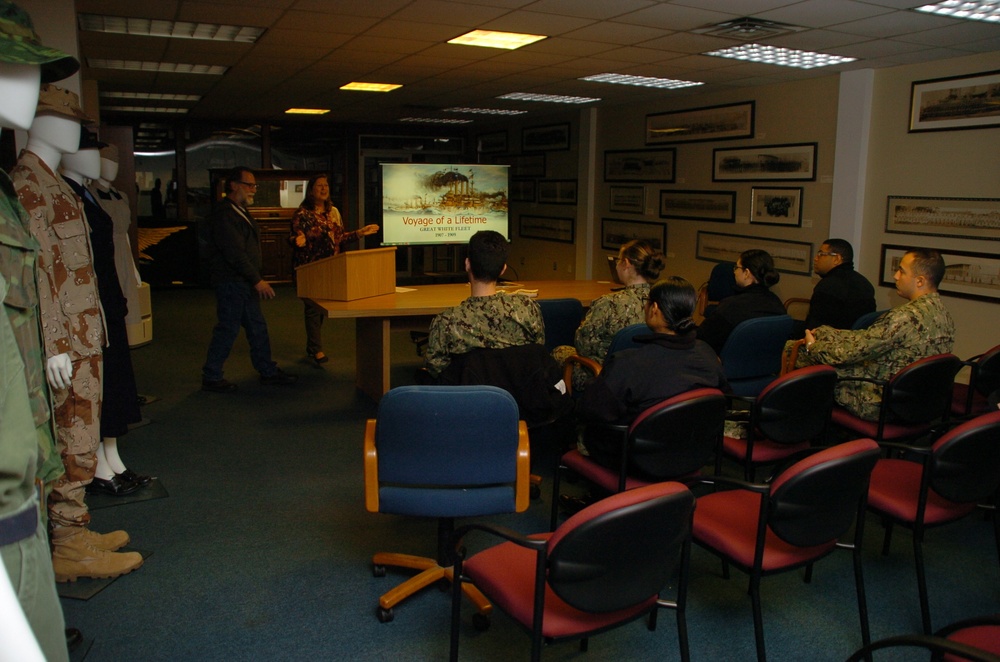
109, 542
73, 557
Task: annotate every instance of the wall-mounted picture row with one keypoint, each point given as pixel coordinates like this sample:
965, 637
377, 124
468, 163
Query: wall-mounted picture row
640, 165
547, 228
776, 205
765, 163
629, 199
492, 143
718, 206
545, 138
615, 232
523, 165
967, 218
966, 274
958, 102
794, 257
728, 122
557, 191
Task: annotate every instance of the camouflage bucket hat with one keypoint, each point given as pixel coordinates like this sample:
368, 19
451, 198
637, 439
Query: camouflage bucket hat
19, 44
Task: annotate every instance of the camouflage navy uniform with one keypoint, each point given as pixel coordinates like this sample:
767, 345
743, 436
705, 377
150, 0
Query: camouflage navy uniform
915, 330
72, 323
495, 321
607, 316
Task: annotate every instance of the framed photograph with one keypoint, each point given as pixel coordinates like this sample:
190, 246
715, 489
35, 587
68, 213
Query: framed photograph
765, 163
492, 143
776, 205
640, 165
557, 191
728, 122
548, 228
793, 257
523, 165
522, 190
631, 199
545, 138
967, 274
959, 102
968, 218
718, 206
615, 232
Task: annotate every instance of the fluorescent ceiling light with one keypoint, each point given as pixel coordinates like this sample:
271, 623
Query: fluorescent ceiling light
151, 95
485, 111
434, 120
493, 39
176, 29
641, 81
985, 10
371, 87
785, 57
143, 109
307, 111
163, 67
550, 98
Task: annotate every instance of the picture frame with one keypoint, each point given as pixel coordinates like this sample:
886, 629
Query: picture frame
523, 166
640, 165
557, 191
726, 122
521, 190
550, 138
492, 143
716, 206
615, 232
792, 257
967, 274
776, 205
966, 218
546, 228
765, 163
956, 102
628, 199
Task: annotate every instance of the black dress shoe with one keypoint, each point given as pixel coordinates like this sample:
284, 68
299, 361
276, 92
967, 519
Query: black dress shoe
73, 639
130, 476
218, 385
114, 486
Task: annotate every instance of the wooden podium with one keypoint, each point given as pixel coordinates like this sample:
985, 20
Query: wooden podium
349, 276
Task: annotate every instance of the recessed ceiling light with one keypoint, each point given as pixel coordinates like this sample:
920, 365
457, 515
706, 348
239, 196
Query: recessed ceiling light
143, 109
150, 95
550, 98
434, 120
785, 57
494, 39
176, 29
307, 111
641, 81
371, 87
485, 111
164, 67
986, 10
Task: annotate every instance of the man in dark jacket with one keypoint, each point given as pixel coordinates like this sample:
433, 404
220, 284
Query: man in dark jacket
842, 295
235, 264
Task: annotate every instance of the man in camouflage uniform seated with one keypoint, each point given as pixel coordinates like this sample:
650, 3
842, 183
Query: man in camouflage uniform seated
920, 328
487, 318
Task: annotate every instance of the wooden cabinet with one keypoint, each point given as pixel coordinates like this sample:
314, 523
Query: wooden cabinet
275, 251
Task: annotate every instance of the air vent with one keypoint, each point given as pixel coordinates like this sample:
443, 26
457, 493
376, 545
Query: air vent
749, 29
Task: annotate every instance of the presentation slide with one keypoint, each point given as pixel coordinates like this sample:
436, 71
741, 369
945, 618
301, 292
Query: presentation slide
433, 203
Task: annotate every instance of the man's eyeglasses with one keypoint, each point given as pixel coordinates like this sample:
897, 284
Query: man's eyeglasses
825, 253
737, 267
252, 187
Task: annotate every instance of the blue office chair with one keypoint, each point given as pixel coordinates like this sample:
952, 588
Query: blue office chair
624, 339
751, 357
562, 318
867, 319
721, 284
443, 452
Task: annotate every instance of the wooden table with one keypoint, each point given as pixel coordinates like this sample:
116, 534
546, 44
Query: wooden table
373, 315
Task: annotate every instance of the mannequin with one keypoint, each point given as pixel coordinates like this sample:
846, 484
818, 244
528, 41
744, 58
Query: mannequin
73, 336
120, 400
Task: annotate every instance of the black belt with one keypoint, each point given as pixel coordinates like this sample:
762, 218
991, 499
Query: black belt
15, 527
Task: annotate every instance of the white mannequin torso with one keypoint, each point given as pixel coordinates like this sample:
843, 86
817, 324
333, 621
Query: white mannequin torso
19, 85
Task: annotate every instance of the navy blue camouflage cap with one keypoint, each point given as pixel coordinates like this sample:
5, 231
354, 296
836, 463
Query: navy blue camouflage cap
19, 44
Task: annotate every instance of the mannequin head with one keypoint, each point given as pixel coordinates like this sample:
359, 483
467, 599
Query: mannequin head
19, 84
109, 163
56, 129
60, 133
86, 161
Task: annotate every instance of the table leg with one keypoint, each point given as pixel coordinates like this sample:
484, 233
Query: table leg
371, 343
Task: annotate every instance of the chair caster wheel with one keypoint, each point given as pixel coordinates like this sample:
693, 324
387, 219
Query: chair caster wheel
378, 571
535, 492
481, 622
384, 615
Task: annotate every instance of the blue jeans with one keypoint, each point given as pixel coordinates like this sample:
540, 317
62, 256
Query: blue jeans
238, 304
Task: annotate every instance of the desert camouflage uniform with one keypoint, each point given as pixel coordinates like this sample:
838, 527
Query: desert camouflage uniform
607, 316
72, 323
495, 321
915, 330
18, 253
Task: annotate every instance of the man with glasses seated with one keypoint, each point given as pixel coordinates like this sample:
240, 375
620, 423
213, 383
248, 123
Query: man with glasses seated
235, 265
842, 295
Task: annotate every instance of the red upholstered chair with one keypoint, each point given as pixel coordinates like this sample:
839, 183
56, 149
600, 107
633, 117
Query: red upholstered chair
913, 400
793, 522
959, 471
982, 633
605, 566
971, 399
789, 413
973, 639
671, 440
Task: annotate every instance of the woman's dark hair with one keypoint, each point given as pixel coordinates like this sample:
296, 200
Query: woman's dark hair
761, 266
648, 261
309, 202
676, 298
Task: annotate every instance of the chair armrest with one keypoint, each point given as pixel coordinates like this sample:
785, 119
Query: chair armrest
587, 364
371, 468
522, 494
508, 534
968, 623
732, 482
870, 380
